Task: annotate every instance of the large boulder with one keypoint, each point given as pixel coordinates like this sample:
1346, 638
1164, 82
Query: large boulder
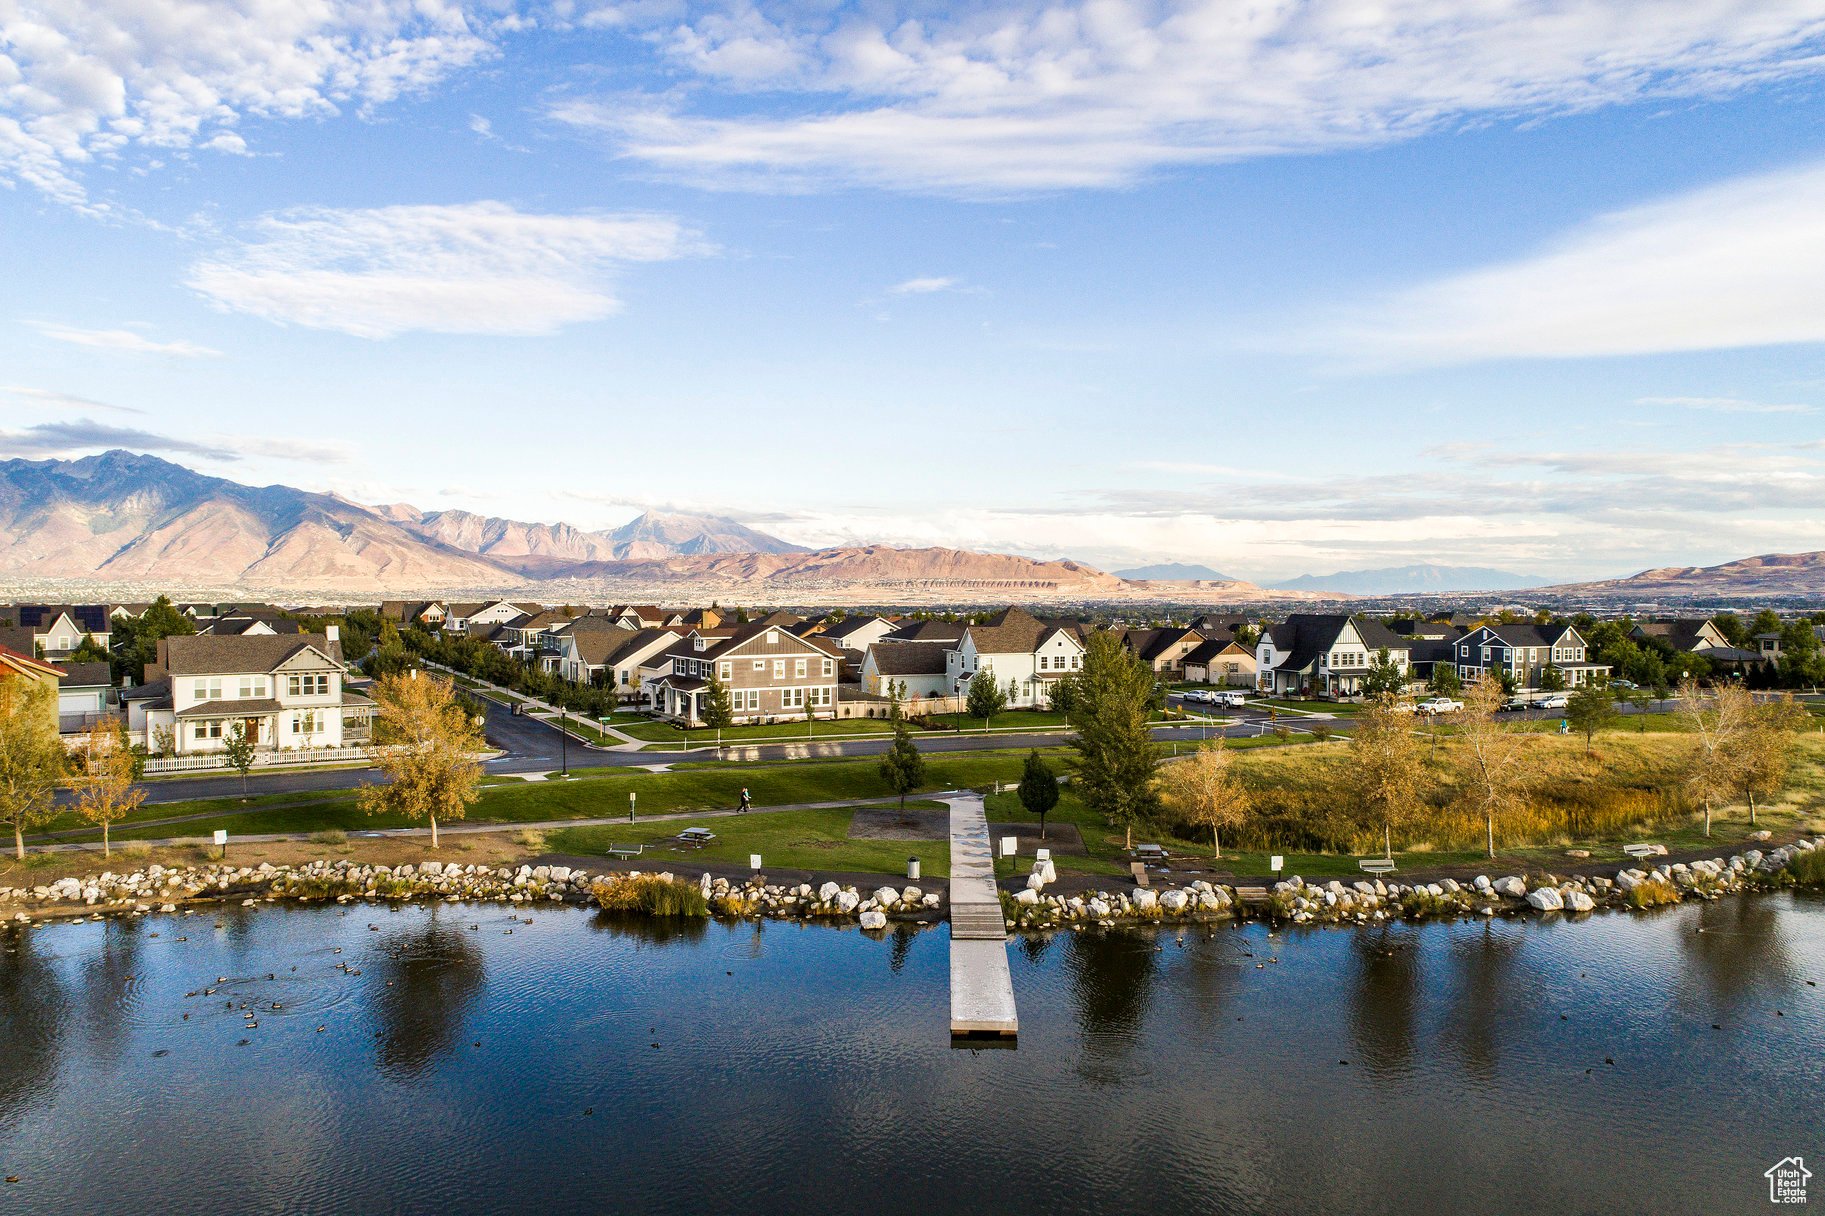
1578, 901
1174, 901
1546, 900
1145, 900
1511, 886
1036, 881
874, 920
828, 892
846, 901
886, 897
1028, 897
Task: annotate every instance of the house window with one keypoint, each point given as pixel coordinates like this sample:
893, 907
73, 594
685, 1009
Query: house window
208, 690
829, 665
728, 670
798, 669
308, 685
1077, 660
1485, 654
772, 637
791, 698
779, 669
208, 730
306, 723
1045, 662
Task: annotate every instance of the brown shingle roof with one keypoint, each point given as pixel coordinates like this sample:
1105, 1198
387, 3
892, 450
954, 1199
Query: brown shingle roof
199, 656
909, 658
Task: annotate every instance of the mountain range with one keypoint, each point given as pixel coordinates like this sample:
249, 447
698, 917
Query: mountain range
1413, 580
1174, 572
1770, 574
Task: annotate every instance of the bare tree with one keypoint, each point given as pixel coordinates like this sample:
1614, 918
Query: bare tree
1719, 719
1387, 770
424, 742
1497, 764
107, 791
1203, 788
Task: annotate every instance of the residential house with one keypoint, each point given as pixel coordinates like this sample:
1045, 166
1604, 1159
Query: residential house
1768, 645
58, 629
1524, 653
17, 666
1217, 626
459, 617
1222, 661
407, 612
920, 667
770, 674
538, 645
85, 696
1019, 651
950, 632
1689, 635
1430, 630
234, 626
287, 690
1323, 654
612, 655
857, 633
1163, 650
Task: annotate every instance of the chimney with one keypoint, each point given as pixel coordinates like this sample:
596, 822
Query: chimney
332, 633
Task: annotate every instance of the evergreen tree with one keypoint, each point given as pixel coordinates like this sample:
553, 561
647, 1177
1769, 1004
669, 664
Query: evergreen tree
1385, 677
1038, 789
1590, 710
1115, 749
719, 710
986, 697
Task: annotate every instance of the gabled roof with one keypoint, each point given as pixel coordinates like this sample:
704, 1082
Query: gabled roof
908, 658
25, 664
1208, 651
1680, 634
203, 655
1306, 635
599, 647
1524, 635
90, 618
1376, 635
926, 631
85, 675
1010, 631
1150, 644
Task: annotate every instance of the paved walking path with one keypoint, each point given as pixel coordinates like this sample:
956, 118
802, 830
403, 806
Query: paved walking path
982, 988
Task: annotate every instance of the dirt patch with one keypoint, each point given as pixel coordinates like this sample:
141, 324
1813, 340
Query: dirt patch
892, 823
1062, 838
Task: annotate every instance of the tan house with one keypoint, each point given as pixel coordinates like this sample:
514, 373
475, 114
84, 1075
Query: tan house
770, 675
1225, 661
16, 666
1164, 650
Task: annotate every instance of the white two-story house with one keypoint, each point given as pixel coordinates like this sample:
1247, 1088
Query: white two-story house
1017, 649
1323, 654
286, 691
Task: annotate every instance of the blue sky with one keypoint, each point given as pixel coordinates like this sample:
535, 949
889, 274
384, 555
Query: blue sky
1278, 288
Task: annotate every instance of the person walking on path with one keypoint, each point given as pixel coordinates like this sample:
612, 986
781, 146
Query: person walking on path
746, 801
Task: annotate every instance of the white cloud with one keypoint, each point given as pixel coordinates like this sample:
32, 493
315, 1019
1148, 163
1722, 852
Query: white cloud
1733, 265
124, 340
67, 401
919, 287
85, 79
478, 268
1727, 405
1033, 96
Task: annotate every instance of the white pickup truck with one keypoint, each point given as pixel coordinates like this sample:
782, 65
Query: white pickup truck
1439, 705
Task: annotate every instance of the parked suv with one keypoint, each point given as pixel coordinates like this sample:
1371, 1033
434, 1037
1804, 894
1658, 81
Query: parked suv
1557, 700
1440, 705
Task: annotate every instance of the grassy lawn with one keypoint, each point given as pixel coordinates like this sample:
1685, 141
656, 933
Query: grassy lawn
797, 840
666, 732
589, 797
1340, 708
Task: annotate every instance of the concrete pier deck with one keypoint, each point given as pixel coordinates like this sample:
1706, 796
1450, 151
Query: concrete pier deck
982, 989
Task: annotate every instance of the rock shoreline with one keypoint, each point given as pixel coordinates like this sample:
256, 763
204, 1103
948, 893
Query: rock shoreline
165, 889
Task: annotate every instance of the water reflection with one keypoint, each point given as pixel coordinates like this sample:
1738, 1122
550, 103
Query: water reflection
1111, 980
653, 930
1485, 963
34, 1013
1384, 1004
1734, 949
426, 980
108, 986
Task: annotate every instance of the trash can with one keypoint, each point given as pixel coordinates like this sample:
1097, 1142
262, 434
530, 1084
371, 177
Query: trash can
912, 867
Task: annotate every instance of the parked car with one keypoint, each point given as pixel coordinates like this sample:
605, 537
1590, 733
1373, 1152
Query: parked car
1515, 705
1196, 694
1231, 698
1628, 684
1404, 707
1440, 705
1557, 701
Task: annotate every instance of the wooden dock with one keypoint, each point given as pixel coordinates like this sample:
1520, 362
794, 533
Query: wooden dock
982, 988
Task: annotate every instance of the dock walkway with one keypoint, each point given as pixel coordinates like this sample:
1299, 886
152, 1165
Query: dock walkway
982, 989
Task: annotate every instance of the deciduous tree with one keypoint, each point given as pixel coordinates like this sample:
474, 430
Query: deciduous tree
32, 760
107, 792
423, 744
1591, 709
238, 750
1498, 766
1203, 788
1767, 749
986, 696
1384, 678
1387, 772
1719, 720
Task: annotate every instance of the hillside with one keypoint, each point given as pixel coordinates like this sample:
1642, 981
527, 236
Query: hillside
1771, 574
1174, 572
1415, 580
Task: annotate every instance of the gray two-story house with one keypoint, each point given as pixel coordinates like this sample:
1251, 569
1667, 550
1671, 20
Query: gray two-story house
1524, 653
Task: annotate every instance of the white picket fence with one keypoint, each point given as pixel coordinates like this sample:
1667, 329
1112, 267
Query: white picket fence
215, 761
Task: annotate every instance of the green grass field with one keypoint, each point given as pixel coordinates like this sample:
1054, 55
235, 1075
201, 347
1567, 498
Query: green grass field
798, 840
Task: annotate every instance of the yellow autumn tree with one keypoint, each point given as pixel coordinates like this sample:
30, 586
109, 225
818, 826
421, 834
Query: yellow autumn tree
1204, 790
105, 790
1498, 765
1387, 769
1720, 720
424, 743
32, 759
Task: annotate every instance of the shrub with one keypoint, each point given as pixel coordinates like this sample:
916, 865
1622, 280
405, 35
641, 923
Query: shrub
531, 838
651, 895
1808, 867
136, 848
1651, 894
329, 836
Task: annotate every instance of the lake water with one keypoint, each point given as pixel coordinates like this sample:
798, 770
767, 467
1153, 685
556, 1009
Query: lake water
580, 1063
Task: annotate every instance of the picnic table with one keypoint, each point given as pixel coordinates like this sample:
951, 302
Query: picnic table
697, 835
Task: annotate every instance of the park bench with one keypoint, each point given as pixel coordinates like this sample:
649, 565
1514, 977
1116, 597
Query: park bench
1376, 865
626, 850
1640, 851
